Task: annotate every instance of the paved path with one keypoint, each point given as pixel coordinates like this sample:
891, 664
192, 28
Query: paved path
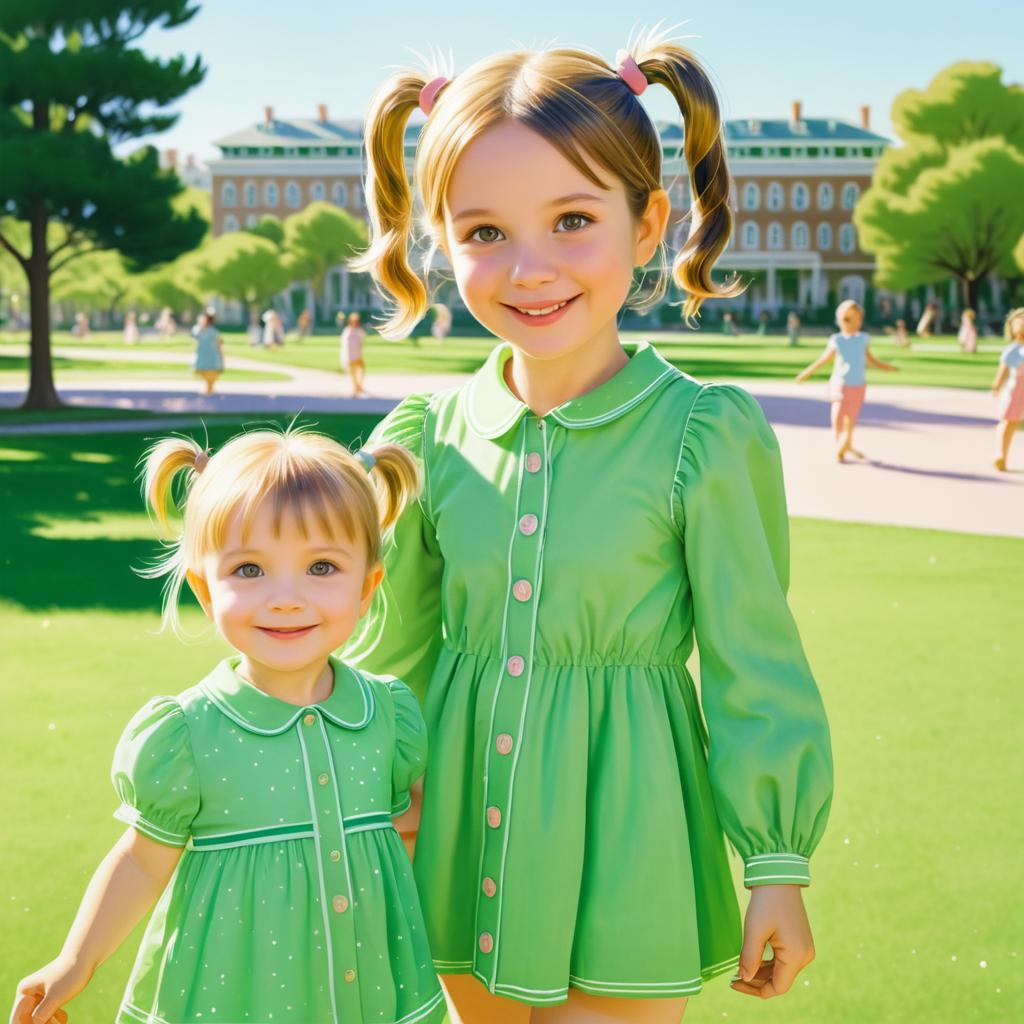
929, 448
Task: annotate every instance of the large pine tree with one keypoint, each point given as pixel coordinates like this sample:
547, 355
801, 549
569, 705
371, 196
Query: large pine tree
73, 84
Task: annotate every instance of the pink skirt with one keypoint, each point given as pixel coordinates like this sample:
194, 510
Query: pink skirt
1011, 401
849, 398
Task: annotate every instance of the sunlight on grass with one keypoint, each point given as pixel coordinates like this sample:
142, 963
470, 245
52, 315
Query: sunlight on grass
101, 457
123, 526
19, 455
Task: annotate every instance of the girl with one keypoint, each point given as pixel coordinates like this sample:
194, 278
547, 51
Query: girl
586, 506
131, 328
847, 387
1009, 386
260, 799
968, 336
352, 338
209, 362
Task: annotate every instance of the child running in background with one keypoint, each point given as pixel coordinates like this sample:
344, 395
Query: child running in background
352, 338
260, 800
1009, 386
849, 348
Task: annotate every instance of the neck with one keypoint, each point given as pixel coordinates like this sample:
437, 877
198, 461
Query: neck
545, 384
309, 684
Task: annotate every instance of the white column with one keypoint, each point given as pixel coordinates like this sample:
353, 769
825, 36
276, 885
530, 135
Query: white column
817, 299
770, 298
344, 290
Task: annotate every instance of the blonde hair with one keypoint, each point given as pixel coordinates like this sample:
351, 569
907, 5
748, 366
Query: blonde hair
582, 107
844, 306
1010, 317
299, 471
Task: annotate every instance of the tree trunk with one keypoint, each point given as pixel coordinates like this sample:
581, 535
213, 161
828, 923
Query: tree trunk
42, 394
969, 288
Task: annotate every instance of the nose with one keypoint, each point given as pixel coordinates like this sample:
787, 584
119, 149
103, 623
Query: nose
286, 599
532, 268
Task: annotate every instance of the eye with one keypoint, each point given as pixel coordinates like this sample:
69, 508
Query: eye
248, 571
485, 228
322, 568
575, 221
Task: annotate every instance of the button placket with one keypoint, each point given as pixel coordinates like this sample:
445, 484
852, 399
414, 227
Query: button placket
332, 865
508, 714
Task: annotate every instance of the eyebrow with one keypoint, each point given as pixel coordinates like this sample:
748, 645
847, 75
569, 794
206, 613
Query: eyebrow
574, 198
317, 550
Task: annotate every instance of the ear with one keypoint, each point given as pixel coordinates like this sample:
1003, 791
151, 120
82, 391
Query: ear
373, 577
651, 227
198, 585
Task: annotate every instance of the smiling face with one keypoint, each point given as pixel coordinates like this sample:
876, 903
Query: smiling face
285, 599
542, 257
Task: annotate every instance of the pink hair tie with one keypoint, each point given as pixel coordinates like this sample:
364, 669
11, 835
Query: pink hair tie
629, 71
429, 93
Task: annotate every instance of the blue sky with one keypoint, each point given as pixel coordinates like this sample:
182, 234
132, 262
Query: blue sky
294, 54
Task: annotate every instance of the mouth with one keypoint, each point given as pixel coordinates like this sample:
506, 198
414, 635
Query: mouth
286, 632
537, 315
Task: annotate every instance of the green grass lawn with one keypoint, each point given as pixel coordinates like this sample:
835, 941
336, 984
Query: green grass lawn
915, 899
705, 354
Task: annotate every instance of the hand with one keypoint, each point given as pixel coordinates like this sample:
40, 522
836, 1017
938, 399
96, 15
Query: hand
775, 914
41, 995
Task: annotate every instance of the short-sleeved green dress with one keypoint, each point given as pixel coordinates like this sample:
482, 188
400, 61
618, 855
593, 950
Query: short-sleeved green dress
542, 599
293, 902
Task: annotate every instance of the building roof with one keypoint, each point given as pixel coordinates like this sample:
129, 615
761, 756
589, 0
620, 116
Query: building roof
301, 132
807, 129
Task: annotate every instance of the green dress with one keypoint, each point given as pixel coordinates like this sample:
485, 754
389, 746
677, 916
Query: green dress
542, 599
293, 902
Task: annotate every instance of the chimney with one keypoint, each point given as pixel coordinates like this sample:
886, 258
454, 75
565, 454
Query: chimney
268, 117
321, 110
865, 118
171, 159
794, 116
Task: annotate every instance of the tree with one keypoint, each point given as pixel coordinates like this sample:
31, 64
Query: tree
947, 202
320, 237
72, 85
269, 228
243, 267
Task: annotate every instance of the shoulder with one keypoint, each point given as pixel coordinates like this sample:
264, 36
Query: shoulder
724, 427
404, 425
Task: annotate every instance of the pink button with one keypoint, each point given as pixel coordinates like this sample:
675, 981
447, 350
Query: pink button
522, 590
493, 817
486, 942
532, 462
516, 665
504, 743
489, 887
528, 524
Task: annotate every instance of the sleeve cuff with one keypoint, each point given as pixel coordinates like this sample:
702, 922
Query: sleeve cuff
776, 869
131, 816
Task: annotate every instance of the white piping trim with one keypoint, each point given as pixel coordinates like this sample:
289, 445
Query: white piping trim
341, 819
619, 410
139, 1014
793, 858
421, 1011
779, 878
261, 841
133, 816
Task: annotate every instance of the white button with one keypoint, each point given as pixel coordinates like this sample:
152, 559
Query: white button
486, 942
516, 665
504, 743
335, 855
522, 590
340, 904
489, 887
493, 817
532, 462
322, 778
528, 524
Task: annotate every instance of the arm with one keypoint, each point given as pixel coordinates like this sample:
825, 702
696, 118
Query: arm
123, 889
878, 364
1001, 374
824, 359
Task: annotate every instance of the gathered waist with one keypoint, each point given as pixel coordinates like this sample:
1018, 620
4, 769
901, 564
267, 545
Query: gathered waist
675, 665
284, 833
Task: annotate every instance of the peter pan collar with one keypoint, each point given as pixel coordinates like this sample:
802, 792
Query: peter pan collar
350, 704
492, 410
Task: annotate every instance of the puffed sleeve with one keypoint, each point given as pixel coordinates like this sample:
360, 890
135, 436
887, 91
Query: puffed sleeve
154, 773
410, 745
401, 633
769, 759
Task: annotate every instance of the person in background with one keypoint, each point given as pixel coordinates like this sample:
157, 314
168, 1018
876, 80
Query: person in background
209, 362
80, 329
352, 338
166, 326
1008, 386
968, 336
442, 322
793, 328
304, 325
131, 328
900, 336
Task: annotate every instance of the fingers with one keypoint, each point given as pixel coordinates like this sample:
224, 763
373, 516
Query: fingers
22, 1012
754, 985
755, 938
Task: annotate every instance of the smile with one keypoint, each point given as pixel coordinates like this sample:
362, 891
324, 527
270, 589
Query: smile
286, 632
541, 314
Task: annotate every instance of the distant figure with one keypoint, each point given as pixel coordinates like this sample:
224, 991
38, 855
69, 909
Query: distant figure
209, 362
793, 328
442, 322
968, 336
131, 328
81, 326
900, 336
926, 324
352, 353
255, 329
729, 325
166, 326
1009, 386
304, 325
273, 329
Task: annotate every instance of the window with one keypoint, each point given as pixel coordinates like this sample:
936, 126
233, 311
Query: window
229, 194
250, 193
776, 199
230, 222
751, 236
799, 236
852, 287
751, 196
801, 196
339, 194
825, 198
292, 195
847, 238
318, 191
850, 194
251, 220
824, 237
776, 236
270, 194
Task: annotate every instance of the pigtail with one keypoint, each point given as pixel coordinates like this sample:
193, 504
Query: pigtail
389, 203
677, 69
396, 479
161, 465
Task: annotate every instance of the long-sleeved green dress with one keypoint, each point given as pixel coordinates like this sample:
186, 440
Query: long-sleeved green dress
541, 599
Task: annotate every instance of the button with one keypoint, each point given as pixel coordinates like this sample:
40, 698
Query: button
532, 462
522, 590
486, 942
322, 778
350, 975
340, 904
493, 817
528, 524
489, 887
309, 720
335, 855
504, 743
515, 665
